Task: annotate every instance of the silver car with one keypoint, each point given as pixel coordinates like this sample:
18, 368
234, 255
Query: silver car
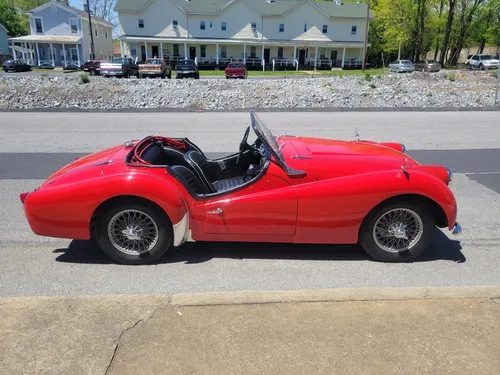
401, 66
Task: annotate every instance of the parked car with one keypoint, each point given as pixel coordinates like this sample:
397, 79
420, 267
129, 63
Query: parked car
236, 70
93, 66
120, 67
187, 68
15, 66
482, 61
401, 66
155, 67
427, 66
141, 198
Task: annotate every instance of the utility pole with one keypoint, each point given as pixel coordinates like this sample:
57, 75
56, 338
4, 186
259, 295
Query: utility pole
92, 52
498, 83
366, 34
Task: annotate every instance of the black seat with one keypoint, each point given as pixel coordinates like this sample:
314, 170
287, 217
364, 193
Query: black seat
229, 183
189, 180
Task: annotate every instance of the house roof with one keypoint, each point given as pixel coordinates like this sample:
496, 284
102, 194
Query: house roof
76, 11
4, 28
35, 38
274, 8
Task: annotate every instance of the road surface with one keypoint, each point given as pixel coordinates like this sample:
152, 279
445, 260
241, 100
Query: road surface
32, 145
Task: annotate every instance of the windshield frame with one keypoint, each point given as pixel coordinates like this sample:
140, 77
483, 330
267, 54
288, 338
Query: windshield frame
270, 142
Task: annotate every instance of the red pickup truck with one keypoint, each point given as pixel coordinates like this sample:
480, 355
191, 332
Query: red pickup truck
236, 70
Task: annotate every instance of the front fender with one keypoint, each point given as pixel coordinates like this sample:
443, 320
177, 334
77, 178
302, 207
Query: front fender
65, 211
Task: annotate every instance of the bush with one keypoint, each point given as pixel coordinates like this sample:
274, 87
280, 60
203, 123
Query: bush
84, 78
451, 76
368, 77
495, 74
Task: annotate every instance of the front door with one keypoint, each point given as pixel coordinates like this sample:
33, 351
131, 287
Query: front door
333, 57
154, 51
192, 53
266, 55
143, 53
269, 207
302, 56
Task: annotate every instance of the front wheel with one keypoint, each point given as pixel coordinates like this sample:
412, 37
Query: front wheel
397, 231
133, 232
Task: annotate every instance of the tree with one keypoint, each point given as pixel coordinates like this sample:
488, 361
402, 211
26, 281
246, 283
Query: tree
15, 23
104, 9
449, 24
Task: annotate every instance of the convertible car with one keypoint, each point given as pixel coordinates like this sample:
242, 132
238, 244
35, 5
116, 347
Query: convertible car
141, 198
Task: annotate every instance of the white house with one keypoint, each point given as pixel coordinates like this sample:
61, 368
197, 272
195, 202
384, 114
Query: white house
60, 35
4, 43
318, 34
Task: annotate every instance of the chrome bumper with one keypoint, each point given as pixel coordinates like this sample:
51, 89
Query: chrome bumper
457, 228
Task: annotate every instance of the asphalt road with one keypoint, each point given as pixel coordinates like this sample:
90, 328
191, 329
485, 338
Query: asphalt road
32, 145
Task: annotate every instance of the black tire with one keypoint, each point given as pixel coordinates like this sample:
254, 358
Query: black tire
197, 76
169, 75
372, 248
160, 218
481, 67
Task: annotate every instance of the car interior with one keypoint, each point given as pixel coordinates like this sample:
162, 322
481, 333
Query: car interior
200, 175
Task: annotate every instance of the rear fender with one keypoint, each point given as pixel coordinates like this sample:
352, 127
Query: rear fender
66, 211
332, 211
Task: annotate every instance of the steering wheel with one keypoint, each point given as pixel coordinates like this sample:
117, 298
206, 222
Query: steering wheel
243, 144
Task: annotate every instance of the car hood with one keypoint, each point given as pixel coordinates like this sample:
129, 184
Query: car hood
326, 158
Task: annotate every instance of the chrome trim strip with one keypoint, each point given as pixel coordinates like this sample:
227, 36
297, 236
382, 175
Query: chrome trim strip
181, 230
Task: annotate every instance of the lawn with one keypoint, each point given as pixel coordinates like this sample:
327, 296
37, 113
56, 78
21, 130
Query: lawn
259, 73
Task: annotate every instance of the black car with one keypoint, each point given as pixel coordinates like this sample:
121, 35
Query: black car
15, 66
187, 68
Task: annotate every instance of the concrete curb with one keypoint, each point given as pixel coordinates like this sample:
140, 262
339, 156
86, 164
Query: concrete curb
238, 110
267, 297
333, 295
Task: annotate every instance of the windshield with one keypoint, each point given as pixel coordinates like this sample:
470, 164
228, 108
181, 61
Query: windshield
271, 143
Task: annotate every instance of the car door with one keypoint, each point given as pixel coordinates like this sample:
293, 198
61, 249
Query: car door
268, 207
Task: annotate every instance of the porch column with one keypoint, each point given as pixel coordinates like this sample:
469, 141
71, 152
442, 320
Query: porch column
161, 50
64, 53
23, 46
122, 45
244, 53
14, 51
185, 50
78, 53
52, 55
262, 59
343, 57
217, 53
37, 54
146, 48
315, 57
294, 54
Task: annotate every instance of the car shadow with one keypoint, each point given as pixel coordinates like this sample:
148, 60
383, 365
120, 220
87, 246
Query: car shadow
442, 248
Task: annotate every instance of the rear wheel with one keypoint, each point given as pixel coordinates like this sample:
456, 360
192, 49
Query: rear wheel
397, 231
133, 232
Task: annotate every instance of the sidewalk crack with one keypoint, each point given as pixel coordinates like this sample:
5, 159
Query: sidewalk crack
118, 340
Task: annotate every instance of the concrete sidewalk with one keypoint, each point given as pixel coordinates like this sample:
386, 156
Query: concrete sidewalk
392, 331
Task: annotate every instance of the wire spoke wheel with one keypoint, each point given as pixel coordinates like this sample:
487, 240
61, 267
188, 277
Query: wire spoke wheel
398, 230
133, 232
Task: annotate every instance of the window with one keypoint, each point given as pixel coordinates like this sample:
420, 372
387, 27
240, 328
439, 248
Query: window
38, 25
202, 25
223, 52
280, 52
141, 24
305, 27
175, 25
325, 29
1, 51
106, 33
203, 51
223, 26
133, 49
176, 50
254, 26
74, 26
210, 23
282, 27
354, 29
253, 51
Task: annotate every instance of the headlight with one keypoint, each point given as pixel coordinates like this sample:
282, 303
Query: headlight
450, 175
403, 148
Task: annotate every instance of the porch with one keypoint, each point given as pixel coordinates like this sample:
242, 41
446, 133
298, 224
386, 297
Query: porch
256, 56
47, 50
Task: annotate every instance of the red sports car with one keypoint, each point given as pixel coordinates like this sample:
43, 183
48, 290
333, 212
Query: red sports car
143, 197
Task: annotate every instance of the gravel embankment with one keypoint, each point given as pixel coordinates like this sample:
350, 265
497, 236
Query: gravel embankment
469, 89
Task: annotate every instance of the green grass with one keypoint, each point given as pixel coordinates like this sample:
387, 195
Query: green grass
256, 73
